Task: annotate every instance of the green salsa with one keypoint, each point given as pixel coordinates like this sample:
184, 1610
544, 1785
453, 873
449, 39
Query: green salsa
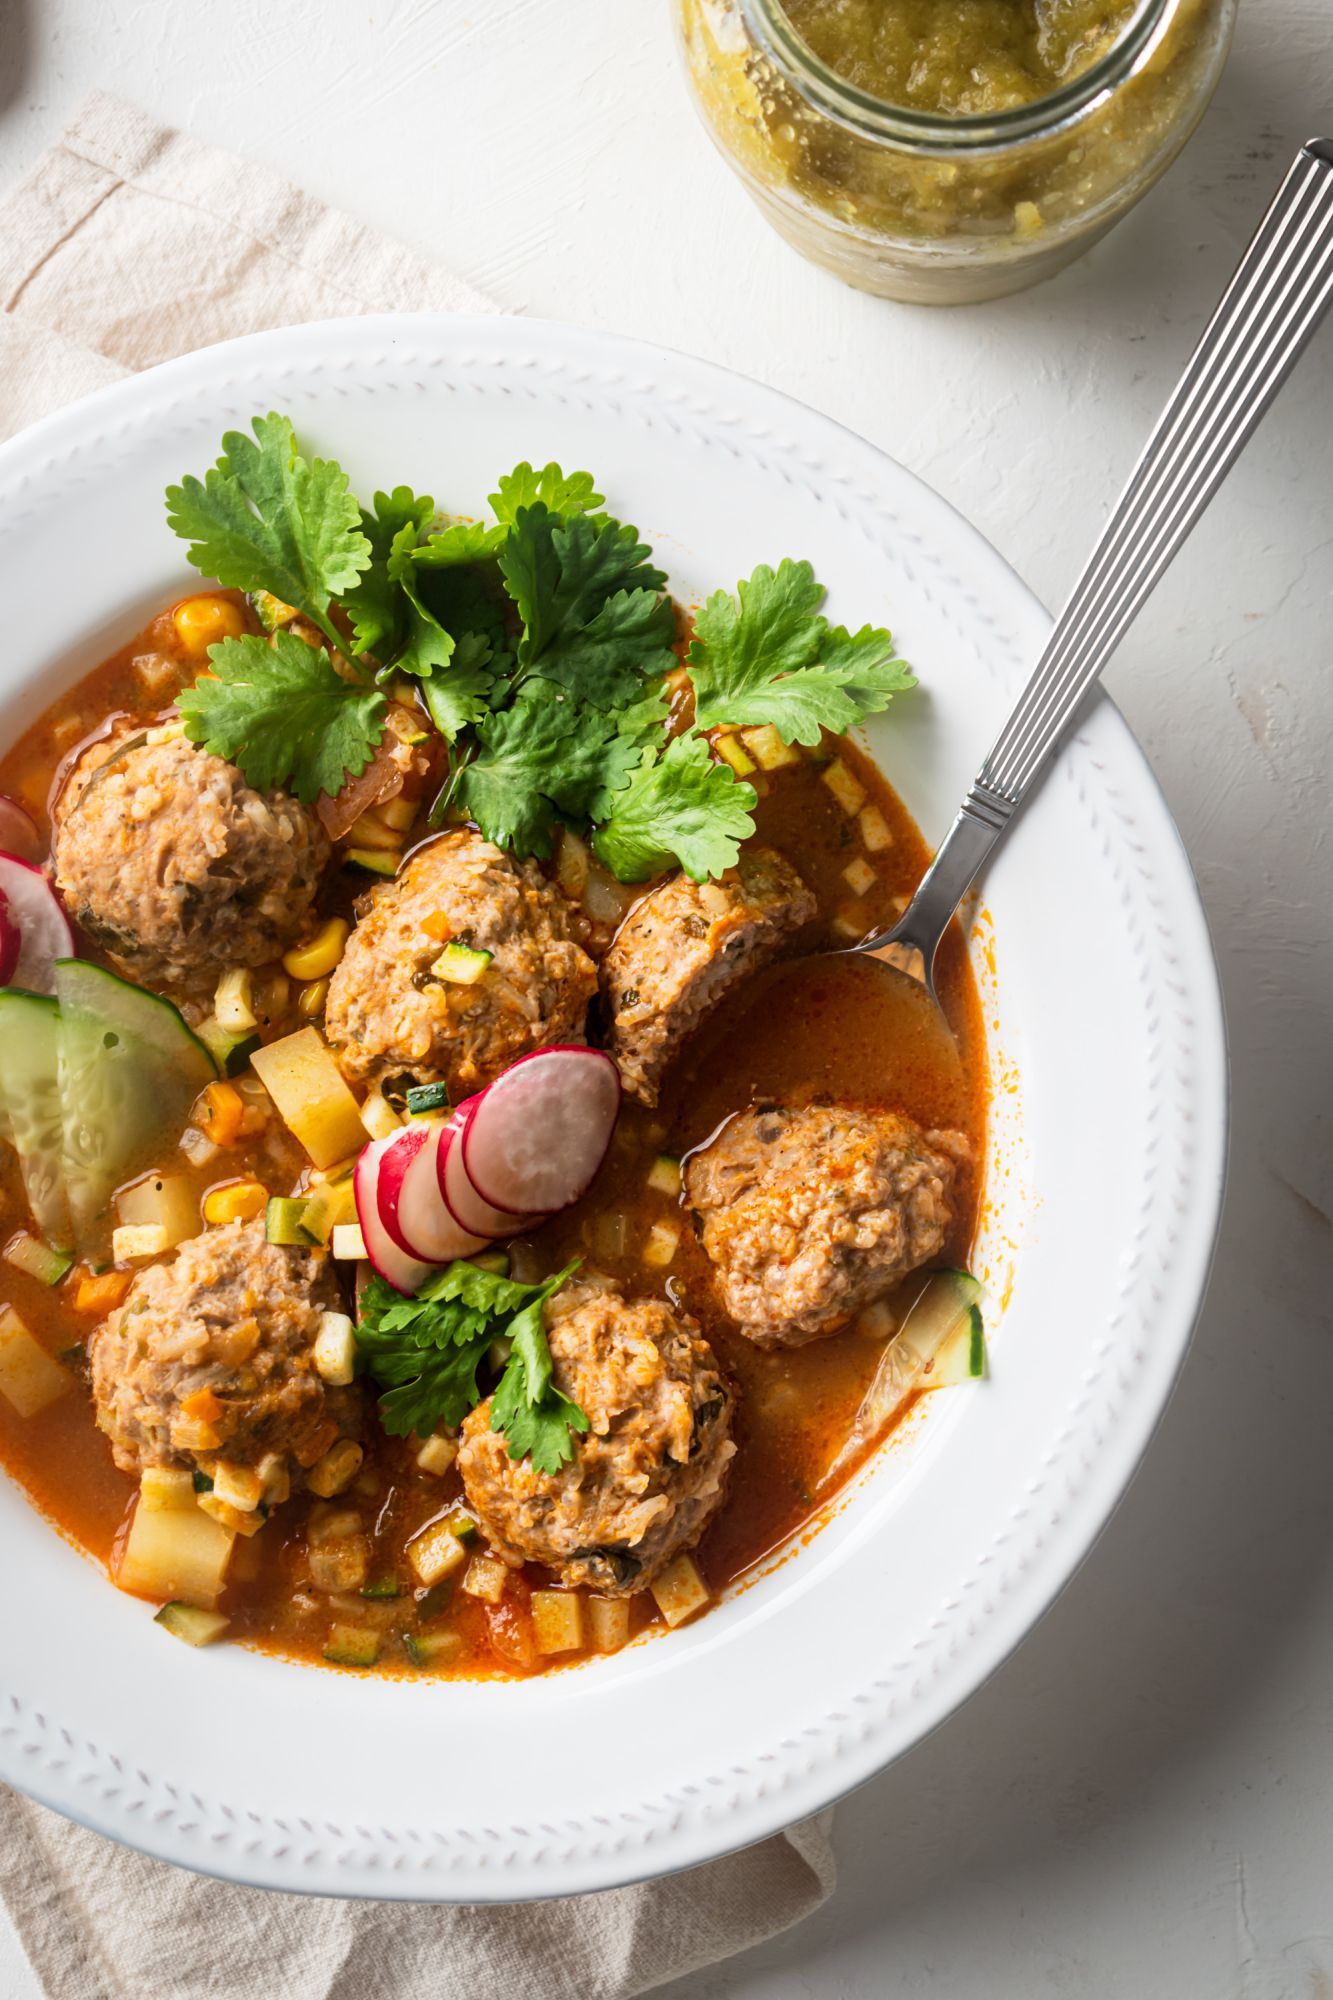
959, 57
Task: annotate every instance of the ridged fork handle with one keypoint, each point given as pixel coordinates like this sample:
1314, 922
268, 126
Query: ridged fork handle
1280, 291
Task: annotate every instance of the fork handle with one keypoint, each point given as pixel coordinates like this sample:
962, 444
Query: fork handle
1280, 291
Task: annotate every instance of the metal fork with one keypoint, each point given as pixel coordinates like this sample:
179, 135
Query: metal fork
1274, 302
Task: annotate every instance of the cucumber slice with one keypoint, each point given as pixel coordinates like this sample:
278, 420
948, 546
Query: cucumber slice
942, 1310
961, 1357
129, 1067
30, 1092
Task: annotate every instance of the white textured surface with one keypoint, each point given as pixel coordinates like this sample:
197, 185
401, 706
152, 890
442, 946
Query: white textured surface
1140, 1802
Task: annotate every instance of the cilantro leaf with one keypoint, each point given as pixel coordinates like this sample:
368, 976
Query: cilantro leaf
264, 518
563, 493
605, 662
560, 573
767, 655
374, 603
542, 756
425, 1353
280, 711
461, 542
679, 806
459, 695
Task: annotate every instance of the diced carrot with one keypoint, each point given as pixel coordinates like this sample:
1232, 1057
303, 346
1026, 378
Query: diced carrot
437, 925
219, 1111
201, 1406
102, 1294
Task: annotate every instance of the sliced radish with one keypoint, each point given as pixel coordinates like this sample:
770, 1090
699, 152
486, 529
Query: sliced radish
11, 942
422, 1221
33, 909
534, 1141
465, 1205
391, 1261
18, 830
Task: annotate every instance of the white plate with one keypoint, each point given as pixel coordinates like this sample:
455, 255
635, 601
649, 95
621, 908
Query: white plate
1103, 1184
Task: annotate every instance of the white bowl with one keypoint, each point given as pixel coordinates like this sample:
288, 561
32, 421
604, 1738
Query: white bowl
1103, 1184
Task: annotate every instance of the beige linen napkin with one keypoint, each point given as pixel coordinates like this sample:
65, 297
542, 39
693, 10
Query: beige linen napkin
126, 244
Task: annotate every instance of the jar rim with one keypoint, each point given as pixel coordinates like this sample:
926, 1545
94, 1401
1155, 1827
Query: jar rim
938, 132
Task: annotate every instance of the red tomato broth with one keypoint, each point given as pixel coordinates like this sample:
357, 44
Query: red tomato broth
828, 1027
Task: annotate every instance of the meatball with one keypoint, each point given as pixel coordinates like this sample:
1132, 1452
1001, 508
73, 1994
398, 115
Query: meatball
232, 1314
809, 1215
648, 1475
686, 945
390, 1014
175, 865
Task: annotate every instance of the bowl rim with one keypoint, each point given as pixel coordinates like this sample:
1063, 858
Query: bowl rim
31, 1754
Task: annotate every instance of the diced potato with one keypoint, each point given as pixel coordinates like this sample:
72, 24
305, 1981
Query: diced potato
167, 1201
347, 1243
874, 830
340, 1565
859, 876
436, 1552
557, 1621
197, 1147
664, 1176
238, 1485
845, 787
175, 1552
663, 1242
680, 1591
332, 1524
486, 1578
437, 1454
849, 922
608, 1623
379, 1117
732, 751
304, 1082
164, 1489
768, 749
140, 1239
334, 1352
334, 1473
29, 1378
234, 1001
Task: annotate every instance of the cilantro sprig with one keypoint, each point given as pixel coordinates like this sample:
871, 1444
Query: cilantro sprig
540, 643
426, 1354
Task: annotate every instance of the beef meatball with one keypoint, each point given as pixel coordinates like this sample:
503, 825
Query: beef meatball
683, 947
233, 1314
175, 865
390, 1014
649, 1473
809, 1215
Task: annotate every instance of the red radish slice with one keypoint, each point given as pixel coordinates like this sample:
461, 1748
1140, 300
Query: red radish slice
11, 941
391, 1261
540, 1132
32, 906
18, 830
465, 1205
423, 1220
400, 1149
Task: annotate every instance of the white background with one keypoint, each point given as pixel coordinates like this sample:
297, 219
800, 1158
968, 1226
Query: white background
1141, 1803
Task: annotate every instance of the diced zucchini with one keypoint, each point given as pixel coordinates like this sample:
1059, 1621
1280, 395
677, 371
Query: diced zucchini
333, 1474
434, 1602
460, 965
231, 1049
432, 1649
557, 1621
608, 1623
680, 1591
188, 1622
284, 1221
305, 1083
382, 1590
424, 1097
352, 1646
347, 1243
167, 1200
234, 1001
491, 1260
373, 860
327, 1205
486, 1578
664, 1176
961, 1356
30, 1092
129, 1068
29, 1378
334, 1352
37, 1259
177, 1552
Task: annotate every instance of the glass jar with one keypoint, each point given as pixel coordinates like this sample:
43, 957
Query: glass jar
939, 209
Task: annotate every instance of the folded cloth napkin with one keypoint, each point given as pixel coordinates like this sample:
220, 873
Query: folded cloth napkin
126, 244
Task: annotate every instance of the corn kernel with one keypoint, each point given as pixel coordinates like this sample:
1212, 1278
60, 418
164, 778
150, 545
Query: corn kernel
437, 1454
311, 999
233, 1002
240, 1521
334, 1473
371, 834
274, 1478
202, 622
334, 1352
317, 957
234, 1201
